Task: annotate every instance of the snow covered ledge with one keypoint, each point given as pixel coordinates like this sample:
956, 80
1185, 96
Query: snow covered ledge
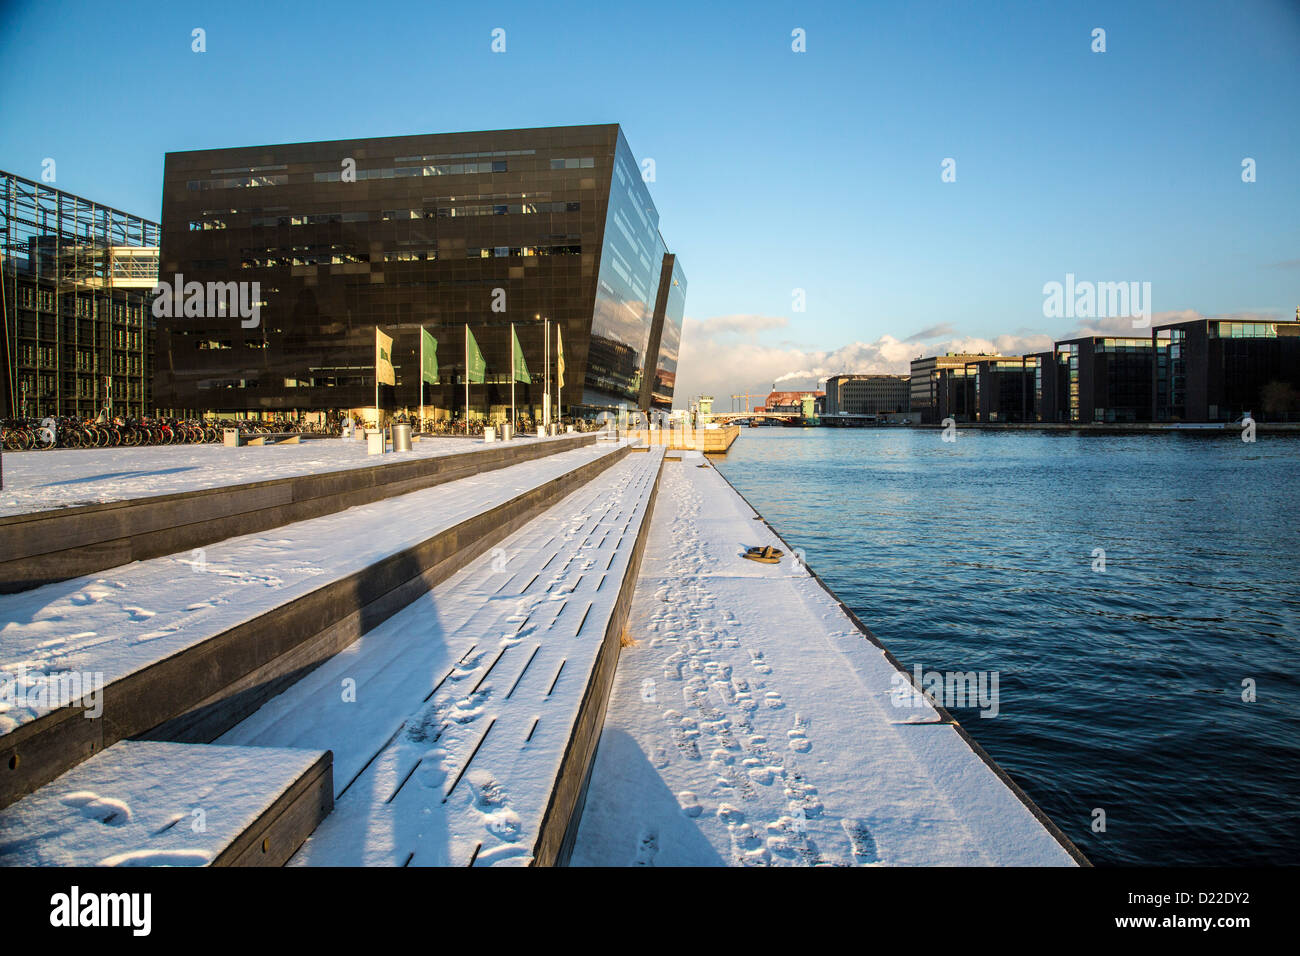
141, 803
757, 721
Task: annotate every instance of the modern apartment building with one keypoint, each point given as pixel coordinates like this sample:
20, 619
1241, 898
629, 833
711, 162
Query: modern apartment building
1216, 370
1106, 379
943, 386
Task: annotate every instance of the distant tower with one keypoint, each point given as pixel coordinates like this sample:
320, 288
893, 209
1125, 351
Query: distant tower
705, 410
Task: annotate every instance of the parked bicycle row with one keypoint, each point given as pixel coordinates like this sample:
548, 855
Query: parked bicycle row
46, 433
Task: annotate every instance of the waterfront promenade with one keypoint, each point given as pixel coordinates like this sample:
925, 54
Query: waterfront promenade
754, 722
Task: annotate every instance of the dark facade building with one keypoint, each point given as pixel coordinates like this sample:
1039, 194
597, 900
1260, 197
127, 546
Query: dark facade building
1005, 389
75, 285
1106, 379
1051, 383
440, 231
864, 394
943, 386
1216, 370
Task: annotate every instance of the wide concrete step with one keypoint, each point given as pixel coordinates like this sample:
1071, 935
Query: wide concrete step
143, 803
463, 727
181, 649
45, 544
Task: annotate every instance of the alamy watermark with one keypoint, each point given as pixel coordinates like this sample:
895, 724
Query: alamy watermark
42, 692
198, 300
1098, 300
949, 689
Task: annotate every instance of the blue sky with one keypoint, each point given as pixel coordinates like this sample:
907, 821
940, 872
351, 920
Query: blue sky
776, 170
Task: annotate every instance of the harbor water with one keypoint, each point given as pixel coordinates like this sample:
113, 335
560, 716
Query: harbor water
1137, 597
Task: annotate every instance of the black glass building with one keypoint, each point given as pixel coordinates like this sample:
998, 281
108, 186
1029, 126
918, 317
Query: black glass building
1216, 370
438, 231
1106, 378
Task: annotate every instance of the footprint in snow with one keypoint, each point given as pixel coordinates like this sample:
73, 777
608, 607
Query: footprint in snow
647, 847
861, 842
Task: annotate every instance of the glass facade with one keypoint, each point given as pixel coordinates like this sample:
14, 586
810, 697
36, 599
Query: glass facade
670, 343
1171, 375
75, 287
630, 263
489, 230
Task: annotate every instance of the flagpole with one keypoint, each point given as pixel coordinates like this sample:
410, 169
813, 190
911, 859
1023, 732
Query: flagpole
466, 378
512, 380
422, 378
376, 376
546, 376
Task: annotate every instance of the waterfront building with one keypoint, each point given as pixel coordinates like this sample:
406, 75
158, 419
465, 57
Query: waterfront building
75, 285
543, 230
942, 386
862, 394
1050, 386
809, 403
1005, 389
1105, 378
1216, 370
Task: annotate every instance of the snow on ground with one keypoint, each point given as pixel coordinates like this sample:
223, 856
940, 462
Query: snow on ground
753, 724
65, 478
118, 622
134, 804
449, 721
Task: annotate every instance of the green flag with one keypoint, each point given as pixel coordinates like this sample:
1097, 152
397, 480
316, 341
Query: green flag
429, 353
519, 369
475, 366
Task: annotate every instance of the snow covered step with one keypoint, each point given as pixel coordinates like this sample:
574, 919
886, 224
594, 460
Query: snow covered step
463, 726
142, 803
756, 722
48, 533
183, 647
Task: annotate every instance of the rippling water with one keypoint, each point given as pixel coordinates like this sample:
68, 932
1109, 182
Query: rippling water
1119, 690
